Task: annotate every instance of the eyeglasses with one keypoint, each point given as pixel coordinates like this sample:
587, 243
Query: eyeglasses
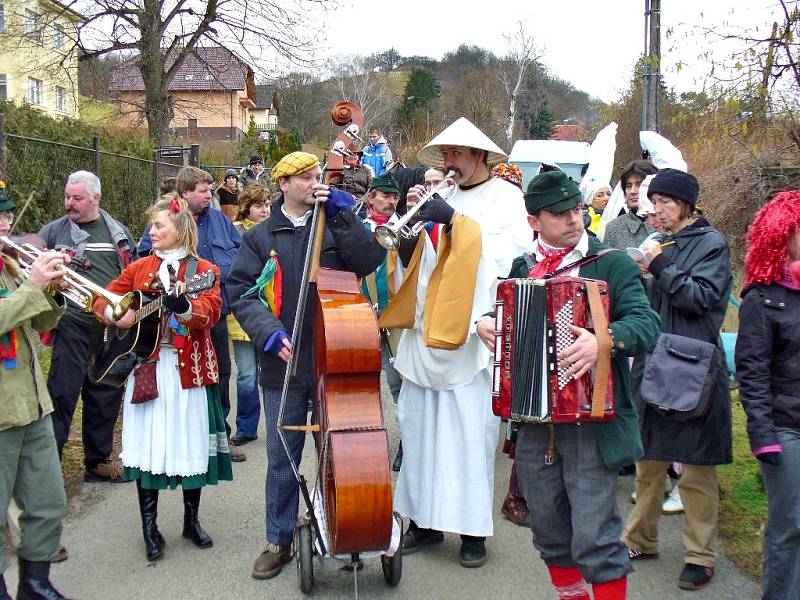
7, 217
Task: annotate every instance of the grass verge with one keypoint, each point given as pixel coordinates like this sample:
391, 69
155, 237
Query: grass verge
743, 510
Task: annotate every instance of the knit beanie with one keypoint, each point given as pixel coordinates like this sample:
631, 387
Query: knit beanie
675, 184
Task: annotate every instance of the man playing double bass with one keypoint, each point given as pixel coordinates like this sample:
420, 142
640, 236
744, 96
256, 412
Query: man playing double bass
449, 433
263, 286
574, 516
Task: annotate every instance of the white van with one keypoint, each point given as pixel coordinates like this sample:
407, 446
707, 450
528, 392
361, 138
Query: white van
529, 155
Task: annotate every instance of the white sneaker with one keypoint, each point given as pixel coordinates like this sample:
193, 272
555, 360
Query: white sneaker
672, 505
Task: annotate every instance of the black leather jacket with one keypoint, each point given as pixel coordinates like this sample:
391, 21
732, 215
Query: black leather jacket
768, 361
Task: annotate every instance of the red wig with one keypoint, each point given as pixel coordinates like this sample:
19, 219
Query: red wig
768, 237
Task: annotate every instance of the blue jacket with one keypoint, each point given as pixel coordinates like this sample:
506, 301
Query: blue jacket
377, 156
217, 242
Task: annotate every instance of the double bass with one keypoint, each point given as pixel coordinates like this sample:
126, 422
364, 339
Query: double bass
352, 444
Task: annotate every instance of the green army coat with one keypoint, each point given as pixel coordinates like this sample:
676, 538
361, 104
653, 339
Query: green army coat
635, 327
23, 390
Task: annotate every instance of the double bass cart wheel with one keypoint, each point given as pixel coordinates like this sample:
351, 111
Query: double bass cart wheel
305, 551
304, 547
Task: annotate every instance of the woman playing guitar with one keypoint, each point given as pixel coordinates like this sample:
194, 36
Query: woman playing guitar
171, 405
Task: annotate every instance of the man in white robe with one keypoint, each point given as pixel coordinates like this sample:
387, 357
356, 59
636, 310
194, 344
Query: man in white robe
449, 433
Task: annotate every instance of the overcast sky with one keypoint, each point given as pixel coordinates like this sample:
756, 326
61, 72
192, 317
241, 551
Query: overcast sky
590, 43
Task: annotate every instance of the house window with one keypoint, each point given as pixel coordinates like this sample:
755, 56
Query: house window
58, 37
192, 123
3, 87
61, 99
32, 26
34, 92
2, 17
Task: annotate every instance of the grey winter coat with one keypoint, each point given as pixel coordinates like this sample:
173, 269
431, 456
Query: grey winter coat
626, 231
689, 290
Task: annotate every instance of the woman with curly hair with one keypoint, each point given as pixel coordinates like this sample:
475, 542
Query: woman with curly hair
768, 370
254, 206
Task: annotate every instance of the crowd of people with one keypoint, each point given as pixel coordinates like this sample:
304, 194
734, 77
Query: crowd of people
229, 278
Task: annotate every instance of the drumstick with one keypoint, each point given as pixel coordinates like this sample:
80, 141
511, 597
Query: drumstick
667, 243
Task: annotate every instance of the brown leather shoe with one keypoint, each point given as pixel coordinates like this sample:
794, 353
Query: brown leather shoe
236, 454
61, 555
516, 510
105, 472
269, 562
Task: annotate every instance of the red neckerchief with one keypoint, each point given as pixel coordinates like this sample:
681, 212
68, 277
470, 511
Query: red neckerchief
552, 259
377, 217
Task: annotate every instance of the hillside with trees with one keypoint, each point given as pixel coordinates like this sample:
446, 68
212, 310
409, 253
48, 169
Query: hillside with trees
411, 98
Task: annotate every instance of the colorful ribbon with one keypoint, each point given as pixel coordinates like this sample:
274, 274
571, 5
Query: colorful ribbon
269, 285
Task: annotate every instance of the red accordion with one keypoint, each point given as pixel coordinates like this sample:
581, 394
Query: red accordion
533, 318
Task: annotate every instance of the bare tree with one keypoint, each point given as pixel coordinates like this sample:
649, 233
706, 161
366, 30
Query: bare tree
359, 80
523, 52
163, 33
757, 64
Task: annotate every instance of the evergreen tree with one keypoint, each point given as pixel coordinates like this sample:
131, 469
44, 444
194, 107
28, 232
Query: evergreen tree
543, 124
249, 144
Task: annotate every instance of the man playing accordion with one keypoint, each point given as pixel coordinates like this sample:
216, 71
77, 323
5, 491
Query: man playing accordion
569, 476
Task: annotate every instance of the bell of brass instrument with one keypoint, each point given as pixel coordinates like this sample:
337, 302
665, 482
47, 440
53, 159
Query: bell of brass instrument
389, 236
78, 289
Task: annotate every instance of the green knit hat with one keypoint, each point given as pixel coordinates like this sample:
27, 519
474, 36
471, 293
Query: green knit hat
385, 183
552, 191
6, 205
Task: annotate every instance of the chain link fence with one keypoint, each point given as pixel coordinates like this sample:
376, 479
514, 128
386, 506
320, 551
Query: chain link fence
41, 167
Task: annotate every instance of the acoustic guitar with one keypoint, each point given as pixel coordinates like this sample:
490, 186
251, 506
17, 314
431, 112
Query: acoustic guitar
121, 349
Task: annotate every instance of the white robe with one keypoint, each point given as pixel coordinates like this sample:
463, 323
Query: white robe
445, 408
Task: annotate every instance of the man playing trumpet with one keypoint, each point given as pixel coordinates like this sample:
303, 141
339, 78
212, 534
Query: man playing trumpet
29, 465
449, 433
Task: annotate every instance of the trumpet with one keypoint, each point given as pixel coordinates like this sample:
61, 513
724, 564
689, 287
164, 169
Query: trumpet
79, 290
389, 236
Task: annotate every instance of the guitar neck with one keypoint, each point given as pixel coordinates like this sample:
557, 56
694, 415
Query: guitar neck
154, 305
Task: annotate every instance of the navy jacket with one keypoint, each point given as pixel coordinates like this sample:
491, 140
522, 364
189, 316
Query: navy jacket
218, 242
347, 245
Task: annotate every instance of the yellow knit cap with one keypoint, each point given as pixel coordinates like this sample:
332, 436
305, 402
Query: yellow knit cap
292, 164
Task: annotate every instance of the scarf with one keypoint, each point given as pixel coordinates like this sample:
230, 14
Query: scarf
169, 258
551, 261
8, 342
377, 217
791, 276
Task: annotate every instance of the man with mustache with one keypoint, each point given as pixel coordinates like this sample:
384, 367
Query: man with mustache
449, 433
576, 525
103, 247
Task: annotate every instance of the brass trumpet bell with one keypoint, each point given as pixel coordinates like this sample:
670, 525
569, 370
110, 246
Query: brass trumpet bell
78, 289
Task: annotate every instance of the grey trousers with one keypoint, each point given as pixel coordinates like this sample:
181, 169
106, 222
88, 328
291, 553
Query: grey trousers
31, 474
572, 502
781, 580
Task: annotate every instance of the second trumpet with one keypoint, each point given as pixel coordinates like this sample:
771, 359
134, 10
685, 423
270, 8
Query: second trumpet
389, 236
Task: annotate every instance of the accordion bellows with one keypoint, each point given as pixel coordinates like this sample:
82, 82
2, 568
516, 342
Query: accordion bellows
533, 319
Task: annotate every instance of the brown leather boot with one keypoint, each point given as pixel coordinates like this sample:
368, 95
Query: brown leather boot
515, 509
271, 560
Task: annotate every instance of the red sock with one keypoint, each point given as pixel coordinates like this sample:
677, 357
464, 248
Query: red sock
569, 583
610, 590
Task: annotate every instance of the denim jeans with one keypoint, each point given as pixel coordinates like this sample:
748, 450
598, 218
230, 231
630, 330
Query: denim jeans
781, 579
248, 402
281, 488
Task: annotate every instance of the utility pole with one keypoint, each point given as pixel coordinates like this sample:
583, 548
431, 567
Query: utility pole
651, 77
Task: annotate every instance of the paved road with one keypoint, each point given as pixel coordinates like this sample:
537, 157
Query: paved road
103, 535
